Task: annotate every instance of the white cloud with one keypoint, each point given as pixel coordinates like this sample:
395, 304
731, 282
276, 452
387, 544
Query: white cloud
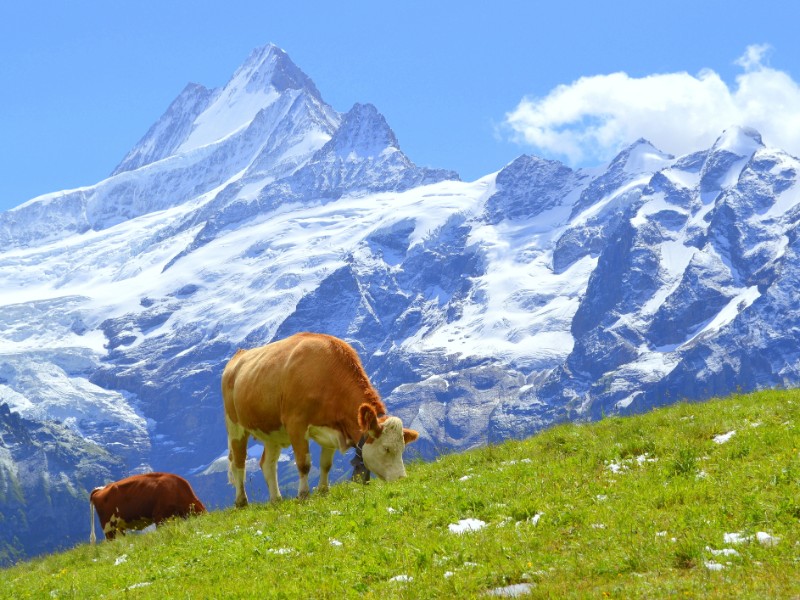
591, 119
753, 56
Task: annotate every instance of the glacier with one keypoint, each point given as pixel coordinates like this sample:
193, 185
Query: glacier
482, 310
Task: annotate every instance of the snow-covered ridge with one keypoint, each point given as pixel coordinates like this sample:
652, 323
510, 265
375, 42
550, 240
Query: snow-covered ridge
268, 120
250, 90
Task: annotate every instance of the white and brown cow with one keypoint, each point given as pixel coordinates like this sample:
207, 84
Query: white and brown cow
307, 386
141, 500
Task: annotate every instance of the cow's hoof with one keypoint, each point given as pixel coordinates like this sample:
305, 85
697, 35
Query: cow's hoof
303, 495
322, 490
241, 503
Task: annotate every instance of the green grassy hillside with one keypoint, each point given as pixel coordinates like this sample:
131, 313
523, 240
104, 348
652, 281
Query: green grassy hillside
630, 507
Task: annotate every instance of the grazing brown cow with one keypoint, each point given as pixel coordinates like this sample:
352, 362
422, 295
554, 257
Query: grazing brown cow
141, 500
307, 386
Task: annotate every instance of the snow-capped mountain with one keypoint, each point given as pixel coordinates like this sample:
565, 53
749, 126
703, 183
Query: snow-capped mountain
482, 310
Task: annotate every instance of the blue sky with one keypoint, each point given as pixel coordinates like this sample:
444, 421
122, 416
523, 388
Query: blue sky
465, 85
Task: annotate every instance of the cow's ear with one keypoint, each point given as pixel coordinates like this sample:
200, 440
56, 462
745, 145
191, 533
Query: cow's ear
368, 420
409, 435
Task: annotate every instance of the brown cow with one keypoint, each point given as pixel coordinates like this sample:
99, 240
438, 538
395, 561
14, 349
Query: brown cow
307, 386
141, 500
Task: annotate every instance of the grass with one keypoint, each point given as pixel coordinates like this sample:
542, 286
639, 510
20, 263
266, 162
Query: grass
631, 507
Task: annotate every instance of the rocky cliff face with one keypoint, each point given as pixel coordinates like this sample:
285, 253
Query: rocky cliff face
45, 472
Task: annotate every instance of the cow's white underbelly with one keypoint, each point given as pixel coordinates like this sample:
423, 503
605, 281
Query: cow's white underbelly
327, 437
279, 437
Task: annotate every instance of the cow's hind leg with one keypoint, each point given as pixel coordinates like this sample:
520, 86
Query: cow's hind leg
325, 464
269, 467
237, 460
112, 527
108, 530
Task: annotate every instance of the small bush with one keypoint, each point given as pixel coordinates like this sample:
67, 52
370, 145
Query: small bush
688, 554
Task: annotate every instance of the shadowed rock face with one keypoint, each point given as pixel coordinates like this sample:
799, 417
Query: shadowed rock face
45, 470
529, 186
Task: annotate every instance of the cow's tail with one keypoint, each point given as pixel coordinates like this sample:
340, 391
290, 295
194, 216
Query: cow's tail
92, 537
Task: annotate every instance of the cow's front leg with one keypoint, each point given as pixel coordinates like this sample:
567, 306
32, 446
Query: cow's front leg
269, 467
325, 464
237, 460
302, 459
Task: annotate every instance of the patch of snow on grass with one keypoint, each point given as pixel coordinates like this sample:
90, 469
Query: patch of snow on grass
616, 467
139, 585
762, 537
514, 462
725, 437
465, 525
624, 465
713, 566
511, 591
766, 539
736, 538
534, 520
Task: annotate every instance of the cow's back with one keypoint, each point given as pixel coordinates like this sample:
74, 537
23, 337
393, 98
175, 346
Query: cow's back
307, 377
175, 497
128, 498
140, 500
149, 494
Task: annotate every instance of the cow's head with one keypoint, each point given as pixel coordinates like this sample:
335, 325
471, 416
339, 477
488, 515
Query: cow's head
386, 440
